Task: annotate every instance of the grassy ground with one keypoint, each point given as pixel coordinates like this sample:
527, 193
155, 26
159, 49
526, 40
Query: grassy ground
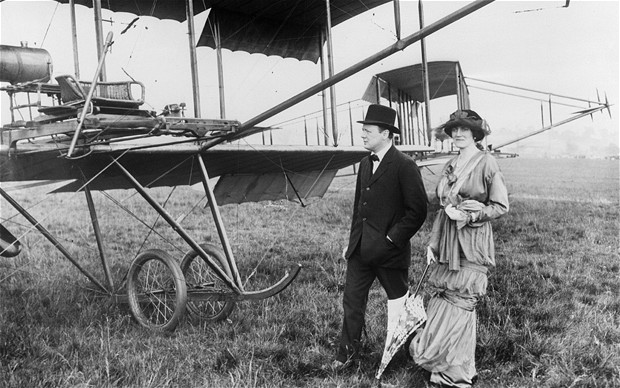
551, 318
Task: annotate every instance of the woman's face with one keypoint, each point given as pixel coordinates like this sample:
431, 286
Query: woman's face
462, 137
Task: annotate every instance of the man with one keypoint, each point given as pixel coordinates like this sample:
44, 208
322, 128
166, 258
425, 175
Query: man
389, 208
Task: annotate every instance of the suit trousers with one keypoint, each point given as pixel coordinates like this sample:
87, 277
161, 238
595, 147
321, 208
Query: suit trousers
359, 279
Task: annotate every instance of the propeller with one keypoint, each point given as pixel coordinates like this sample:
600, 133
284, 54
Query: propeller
608, 105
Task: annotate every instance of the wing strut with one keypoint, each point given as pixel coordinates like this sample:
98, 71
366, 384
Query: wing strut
427, 88
219, 223
178, 228
95, 221
189, 11
330, 71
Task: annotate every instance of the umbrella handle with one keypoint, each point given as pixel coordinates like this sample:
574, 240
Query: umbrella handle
421, 280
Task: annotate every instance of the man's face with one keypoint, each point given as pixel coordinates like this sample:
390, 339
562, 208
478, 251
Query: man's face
374, 137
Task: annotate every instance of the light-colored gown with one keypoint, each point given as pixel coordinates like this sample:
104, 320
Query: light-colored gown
446, 346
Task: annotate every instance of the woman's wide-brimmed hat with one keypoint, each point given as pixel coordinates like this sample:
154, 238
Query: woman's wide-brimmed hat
468, 119
381, 115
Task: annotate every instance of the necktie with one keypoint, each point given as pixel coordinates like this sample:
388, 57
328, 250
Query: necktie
372, 158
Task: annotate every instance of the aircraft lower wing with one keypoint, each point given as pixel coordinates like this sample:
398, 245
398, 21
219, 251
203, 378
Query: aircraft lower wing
239, 188
247, 172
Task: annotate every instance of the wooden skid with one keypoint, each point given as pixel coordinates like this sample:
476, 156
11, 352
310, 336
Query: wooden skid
206, 295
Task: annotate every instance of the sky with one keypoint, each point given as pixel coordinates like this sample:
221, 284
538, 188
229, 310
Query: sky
537, 45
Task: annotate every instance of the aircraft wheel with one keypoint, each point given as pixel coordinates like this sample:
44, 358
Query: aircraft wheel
156, 290
199, 276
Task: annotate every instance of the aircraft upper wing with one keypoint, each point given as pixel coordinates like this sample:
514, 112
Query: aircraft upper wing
272, 27
278, 27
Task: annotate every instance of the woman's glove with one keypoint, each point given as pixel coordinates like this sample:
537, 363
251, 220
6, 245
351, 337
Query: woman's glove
455, 214
430, 256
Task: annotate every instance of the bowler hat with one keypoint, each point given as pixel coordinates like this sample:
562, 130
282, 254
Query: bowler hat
468, 119
381, 115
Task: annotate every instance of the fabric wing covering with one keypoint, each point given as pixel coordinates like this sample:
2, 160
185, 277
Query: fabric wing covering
290, 29
272, 187
287, 28
247, 173
162, 9
445, 79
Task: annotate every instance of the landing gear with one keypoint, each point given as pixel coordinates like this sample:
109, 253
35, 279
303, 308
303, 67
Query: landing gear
156, 290
199, 277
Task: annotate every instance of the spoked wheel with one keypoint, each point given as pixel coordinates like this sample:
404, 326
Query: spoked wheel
200, 277
156, 290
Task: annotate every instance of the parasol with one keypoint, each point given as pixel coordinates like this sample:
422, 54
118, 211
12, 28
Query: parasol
412, 317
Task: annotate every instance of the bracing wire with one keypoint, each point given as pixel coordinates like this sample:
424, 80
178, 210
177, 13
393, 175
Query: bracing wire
140, 220
40, 220
49, 24
287, 222
30, 228
274, 241
150, 184
182, 217
152, 228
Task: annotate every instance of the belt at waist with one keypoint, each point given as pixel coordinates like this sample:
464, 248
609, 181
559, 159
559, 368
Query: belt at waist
473, 266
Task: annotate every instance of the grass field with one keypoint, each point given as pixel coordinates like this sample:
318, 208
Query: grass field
551, 318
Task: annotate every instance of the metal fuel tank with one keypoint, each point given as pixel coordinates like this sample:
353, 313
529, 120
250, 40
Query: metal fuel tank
24, 64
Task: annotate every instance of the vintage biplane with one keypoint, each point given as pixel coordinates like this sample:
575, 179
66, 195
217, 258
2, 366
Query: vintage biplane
96, 136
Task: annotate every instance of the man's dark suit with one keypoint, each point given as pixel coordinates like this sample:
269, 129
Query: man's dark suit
390, 203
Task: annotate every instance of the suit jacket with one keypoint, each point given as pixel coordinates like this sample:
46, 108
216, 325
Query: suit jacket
390, 203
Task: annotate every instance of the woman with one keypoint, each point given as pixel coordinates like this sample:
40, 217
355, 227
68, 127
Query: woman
471, 192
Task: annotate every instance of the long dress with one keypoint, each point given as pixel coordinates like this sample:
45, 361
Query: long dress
446, 346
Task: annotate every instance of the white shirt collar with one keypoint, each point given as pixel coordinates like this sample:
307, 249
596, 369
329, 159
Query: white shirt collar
381, 153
